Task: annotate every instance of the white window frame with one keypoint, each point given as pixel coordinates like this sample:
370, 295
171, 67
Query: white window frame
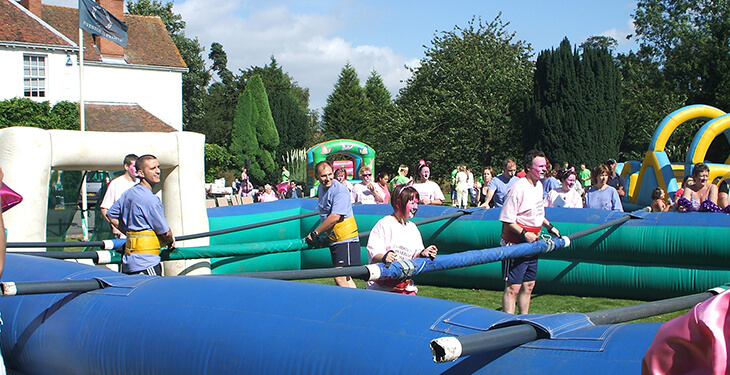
34, 75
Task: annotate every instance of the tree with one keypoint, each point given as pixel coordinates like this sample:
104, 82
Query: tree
197, 77
254, 135
26, 112
689, 39
345, 116
574, 114
459, 105
288, 103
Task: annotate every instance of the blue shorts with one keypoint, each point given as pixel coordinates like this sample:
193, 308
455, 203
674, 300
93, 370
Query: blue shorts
519, 270
346, 254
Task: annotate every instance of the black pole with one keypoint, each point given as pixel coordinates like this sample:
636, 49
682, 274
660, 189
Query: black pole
10, 288
360, 272
645, 310
62, 254
608, 224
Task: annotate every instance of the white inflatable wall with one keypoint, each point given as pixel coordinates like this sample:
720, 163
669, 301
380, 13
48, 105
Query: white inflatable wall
27, 156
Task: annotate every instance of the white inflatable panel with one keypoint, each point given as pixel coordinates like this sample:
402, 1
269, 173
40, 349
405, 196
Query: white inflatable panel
27, 156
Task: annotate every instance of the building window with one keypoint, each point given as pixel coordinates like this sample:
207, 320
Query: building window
34, 76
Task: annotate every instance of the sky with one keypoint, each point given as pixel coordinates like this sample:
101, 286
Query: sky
312, 40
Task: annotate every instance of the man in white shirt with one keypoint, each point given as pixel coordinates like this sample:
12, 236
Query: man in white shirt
117, 187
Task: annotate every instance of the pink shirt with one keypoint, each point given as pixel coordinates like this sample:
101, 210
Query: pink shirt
429, 190
524, 204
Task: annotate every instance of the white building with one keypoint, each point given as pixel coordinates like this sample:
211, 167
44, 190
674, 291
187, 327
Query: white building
137, 88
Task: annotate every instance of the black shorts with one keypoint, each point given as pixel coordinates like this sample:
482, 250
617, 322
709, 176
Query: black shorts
346, 254
519, 270
151, 271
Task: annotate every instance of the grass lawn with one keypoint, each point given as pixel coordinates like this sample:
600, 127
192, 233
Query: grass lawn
540, 304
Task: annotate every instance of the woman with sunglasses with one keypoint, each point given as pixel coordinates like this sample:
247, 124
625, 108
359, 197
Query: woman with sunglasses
367, 192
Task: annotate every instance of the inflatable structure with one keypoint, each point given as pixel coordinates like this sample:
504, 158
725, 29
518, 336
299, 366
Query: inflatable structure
652, 256
236, 325
359, 154
656, 168
30, 154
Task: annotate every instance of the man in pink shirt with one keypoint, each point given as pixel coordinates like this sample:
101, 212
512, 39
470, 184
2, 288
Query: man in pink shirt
522, 216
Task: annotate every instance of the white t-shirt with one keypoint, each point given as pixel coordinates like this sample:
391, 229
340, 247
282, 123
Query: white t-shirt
524, 204
559, 198
361, 193
404, 240
115, 190
429, 190
462, 181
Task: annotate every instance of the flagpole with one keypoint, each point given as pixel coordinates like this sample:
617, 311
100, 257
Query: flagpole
82, 119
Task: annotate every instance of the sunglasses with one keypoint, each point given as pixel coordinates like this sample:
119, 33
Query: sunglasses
367, 174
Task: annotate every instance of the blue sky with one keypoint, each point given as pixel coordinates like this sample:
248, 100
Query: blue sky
313, 39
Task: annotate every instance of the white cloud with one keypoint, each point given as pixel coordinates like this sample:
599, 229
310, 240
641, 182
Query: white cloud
307, 46
624, 45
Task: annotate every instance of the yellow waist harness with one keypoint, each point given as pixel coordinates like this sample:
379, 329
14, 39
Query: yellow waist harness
142, 242
344, 230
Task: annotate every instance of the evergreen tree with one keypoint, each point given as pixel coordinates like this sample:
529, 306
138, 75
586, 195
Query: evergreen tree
574, 114
380, 109
345, 115
254, 135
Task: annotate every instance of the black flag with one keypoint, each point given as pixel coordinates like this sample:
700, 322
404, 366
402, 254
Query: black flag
98, 21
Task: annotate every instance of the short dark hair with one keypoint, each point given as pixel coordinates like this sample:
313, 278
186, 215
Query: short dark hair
656, 193
319, 165
143, 159
599, 170
530, 156
130, 159
699, 168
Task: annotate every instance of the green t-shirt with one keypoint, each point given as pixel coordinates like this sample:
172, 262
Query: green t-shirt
584, 175
284, 176
397, 180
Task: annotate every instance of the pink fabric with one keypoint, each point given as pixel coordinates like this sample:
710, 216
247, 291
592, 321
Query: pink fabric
9, 197
694, 343
283, 187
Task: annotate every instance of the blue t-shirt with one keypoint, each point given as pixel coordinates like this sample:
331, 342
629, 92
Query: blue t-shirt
500, 185
335, 200
606, 199
550, 183
138, 209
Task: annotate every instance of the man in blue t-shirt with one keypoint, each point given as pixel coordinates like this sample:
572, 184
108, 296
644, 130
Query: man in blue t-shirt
615, 180
140, 215
499, 185
337, 218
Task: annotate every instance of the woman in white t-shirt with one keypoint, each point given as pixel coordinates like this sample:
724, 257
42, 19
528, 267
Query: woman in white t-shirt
566, 195
394, 238
429, 191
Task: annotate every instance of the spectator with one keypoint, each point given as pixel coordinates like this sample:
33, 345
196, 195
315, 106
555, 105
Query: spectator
702, 195
658, 204
284, 174
117, 187
487, 176
584, 175
615, 180
401, 178
722, 195
367, 192
383, 184
565, 195
429, 191
294, 191
394, 238
602, 196
549, 182
341, 176
453, 185
268, 195
246, 185
472, 186
687, 181
462, 188
499, 185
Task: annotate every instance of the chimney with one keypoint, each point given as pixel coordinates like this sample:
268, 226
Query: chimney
108, 48
34, 6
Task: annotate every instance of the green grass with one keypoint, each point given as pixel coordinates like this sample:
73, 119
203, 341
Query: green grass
540, 304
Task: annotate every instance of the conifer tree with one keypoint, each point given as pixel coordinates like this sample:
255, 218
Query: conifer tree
345, 115
574, 113
254, 135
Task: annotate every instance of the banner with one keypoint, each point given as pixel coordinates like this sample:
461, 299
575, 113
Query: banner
98, 21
